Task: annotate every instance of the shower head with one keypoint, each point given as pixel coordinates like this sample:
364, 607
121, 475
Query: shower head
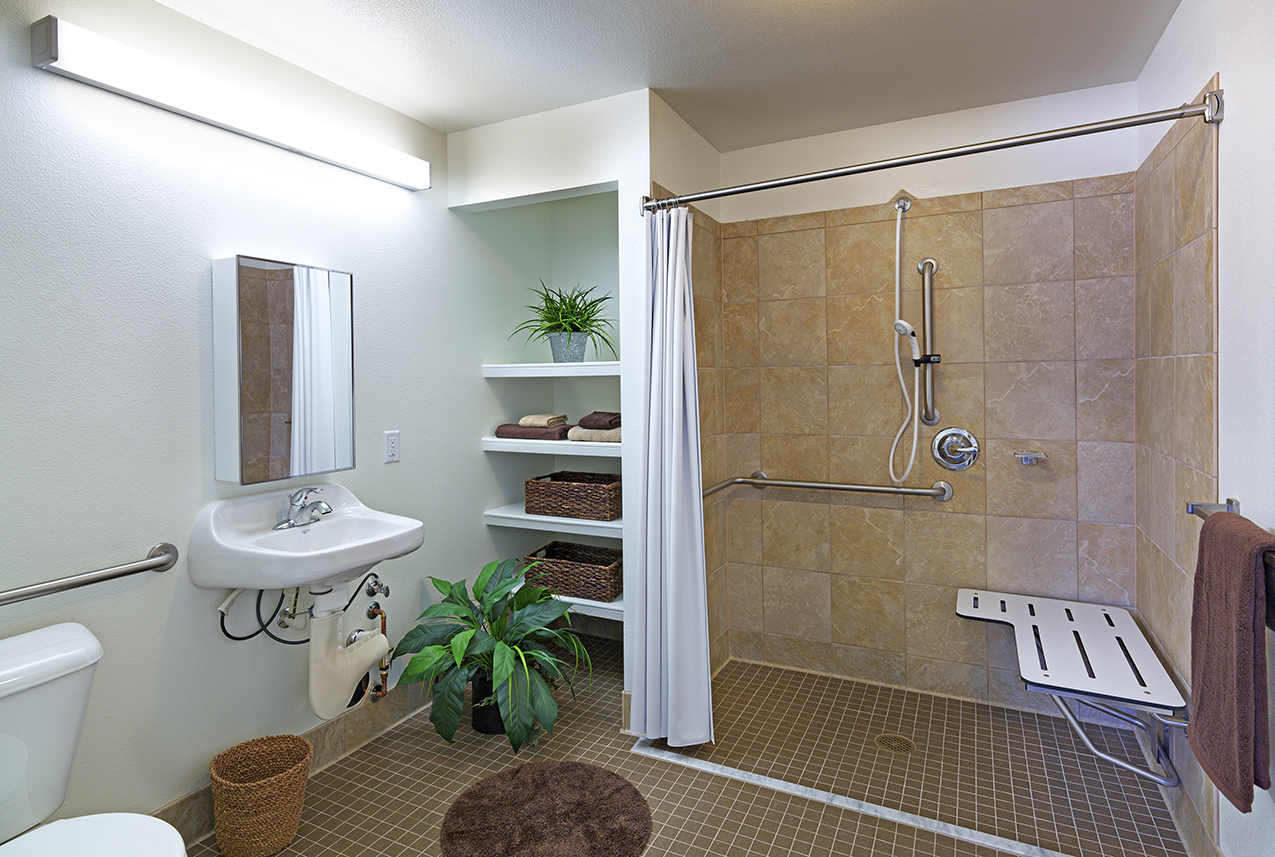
902, 328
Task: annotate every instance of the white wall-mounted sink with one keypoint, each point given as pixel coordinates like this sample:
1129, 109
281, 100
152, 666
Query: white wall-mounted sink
233, 544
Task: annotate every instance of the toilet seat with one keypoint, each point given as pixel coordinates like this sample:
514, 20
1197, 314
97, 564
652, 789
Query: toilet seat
112, 834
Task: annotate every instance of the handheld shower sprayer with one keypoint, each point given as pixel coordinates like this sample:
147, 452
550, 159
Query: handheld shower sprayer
902, 328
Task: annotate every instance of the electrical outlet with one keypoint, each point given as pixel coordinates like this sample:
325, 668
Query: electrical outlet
391, 446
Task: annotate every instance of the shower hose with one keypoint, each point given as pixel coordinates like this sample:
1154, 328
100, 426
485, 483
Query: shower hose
911, 404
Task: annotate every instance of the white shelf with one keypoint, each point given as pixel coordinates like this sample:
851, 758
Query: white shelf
614, 610
595, 368
600, 609
552, 447
515, 515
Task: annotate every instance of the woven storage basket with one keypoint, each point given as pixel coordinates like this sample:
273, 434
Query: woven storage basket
573, 494
580, 571
258, 788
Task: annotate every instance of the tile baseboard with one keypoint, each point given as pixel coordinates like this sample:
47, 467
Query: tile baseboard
192, 814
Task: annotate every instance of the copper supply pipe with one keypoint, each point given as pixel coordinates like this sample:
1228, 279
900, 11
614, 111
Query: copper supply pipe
381, 690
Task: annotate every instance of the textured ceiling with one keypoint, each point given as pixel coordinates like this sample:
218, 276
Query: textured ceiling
741, 72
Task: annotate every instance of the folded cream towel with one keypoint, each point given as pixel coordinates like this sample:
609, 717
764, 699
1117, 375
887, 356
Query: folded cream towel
543, 420
603, 435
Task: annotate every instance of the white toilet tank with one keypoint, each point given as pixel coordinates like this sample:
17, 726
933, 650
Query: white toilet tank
45, 679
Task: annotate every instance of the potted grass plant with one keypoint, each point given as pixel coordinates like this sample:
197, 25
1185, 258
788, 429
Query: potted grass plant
500, 640
568, 319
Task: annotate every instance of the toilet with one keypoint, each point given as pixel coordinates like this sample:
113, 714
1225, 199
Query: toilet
45, 679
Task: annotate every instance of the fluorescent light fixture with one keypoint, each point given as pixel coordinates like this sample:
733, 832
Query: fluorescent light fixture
85, 56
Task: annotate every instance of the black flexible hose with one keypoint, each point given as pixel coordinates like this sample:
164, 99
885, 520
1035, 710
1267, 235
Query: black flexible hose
358, 589
260, 628
264, 623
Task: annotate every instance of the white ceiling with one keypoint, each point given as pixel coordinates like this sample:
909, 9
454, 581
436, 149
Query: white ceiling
741, 72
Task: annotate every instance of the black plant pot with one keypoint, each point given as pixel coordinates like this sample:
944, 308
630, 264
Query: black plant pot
486, 718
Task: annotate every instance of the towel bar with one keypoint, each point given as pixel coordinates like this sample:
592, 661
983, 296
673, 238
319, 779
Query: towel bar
1203, 510
1092, 653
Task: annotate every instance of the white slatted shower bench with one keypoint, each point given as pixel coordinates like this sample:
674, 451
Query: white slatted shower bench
1092, 653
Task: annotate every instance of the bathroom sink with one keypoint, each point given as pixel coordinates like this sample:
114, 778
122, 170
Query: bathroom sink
233, 543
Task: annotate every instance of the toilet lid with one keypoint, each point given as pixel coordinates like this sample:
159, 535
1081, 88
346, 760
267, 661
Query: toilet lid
112, 834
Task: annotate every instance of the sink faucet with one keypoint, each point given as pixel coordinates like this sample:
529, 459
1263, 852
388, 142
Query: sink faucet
302, 510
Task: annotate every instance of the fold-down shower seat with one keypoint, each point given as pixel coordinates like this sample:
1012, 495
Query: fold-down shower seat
1092, 653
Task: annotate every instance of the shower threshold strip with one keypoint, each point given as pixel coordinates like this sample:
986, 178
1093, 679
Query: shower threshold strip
646, 747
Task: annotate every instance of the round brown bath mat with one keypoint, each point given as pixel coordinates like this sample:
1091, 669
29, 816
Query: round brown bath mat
548, 809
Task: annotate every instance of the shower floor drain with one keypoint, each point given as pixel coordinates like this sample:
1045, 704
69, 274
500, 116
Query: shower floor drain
894, 743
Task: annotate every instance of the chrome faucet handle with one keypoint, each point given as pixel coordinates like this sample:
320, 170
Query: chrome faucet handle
298, 497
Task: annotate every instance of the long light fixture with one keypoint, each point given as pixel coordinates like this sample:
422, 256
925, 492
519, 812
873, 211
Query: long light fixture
82, 55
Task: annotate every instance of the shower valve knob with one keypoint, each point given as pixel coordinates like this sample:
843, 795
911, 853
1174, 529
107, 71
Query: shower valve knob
955, 448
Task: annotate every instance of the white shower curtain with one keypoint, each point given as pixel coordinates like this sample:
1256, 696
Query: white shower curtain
672, 697
313, 418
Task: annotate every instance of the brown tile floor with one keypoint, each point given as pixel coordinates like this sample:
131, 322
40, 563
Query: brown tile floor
389, 797
1012, 774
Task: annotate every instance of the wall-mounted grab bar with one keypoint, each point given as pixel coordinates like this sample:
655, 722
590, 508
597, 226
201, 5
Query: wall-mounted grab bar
928, 268
940, 490
161, 558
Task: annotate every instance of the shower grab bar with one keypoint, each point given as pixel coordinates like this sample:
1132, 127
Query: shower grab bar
1210, 109
161, 558
928, 267
940, 491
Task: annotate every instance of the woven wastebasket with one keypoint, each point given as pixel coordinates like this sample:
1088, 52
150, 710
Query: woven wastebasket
258, 788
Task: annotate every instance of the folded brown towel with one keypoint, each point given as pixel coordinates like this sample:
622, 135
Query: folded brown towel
1229, 733
543, 420
601, 420
600, 435
533, 432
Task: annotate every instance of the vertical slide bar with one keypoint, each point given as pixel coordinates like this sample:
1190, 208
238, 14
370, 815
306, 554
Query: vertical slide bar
928, 267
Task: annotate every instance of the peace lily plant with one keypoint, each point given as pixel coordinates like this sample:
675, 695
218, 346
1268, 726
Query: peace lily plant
501, 632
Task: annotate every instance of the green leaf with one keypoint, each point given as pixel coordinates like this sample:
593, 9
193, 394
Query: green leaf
533, 617
443, 586
502, 663
543, 705
499, 591
460, 643
514, 697
423, 663
424, 635
483, 643
481, 583
529, 595
449, 699
447, 608
460, 596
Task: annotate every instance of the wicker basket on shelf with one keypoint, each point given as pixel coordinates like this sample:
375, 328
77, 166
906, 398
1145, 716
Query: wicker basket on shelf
575, 494
578, 571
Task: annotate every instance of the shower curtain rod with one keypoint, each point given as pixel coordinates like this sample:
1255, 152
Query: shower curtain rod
1211, 109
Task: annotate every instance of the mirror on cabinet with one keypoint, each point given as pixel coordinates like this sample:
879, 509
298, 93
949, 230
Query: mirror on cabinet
283, 370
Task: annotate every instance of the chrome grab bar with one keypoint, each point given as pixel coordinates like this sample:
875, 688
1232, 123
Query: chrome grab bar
928, 267
161, 558
940, 490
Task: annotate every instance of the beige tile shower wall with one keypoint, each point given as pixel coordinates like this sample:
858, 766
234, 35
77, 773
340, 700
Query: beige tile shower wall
1035, 311
1176, 408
